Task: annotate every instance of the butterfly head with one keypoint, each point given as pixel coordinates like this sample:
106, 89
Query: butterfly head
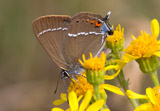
106, 27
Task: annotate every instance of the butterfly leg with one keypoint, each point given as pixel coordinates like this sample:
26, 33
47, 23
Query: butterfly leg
81, 75
75, 79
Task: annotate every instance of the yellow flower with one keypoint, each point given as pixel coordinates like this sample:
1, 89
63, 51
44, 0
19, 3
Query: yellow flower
145, 45
143, 48
95, 68
82, 87
95, 71
84, 106
116, 41
94, 63
117, 36
152, 94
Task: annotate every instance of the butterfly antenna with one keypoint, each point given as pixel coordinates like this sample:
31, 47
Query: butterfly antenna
64, 83
57, 85
106, 19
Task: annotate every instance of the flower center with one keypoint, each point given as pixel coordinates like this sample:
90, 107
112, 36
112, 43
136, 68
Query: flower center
94, 63
144, 46
81, 88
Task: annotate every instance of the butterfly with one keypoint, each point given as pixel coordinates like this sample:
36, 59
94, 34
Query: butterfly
66, 38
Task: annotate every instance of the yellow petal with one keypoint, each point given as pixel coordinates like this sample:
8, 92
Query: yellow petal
134, 95
151, 95
143, 107
63, 96
105, 110
58, 102
128, 57
155, 28
96, 106
121, 63
111, 67
109, 77
57, 109
102, 91
80, 97
68, 109
73, 101
86, 100
90, 54
133, 37
112, 88
83, 57
80, 62
157, 53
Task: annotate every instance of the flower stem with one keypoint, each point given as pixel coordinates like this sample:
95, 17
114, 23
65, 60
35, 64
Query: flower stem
133, 102
124, 85
96, 91
154, 78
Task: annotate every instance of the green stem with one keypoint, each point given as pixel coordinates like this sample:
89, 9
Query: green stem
104, 96
122, 81
96, 91
105, 106
133, 102
154, 78
124, 85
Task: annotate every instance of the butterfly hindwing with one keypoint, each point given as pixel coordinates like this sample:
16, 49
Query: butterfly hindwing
50, 31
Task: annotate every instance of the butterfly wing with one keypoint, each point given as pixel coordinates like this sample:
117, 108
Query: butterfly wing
50, 31
87, 14
84, 36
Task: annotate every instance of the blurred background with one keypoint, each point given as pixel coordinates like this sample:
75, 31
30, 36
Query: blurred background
27, 74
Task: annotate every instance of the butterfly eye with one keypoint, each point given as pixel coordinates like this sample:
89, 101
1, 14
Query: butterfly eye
98, 22
110, 32
77, 22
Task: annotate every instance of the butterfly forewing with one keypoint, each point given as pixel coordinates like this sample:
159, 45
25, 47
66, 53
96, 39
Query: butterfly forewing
83, 37
86, 14
50, 31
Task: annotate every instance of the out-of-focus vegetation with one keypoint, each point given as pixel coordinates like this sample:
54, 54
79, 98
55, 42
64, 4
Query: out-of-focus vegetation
27, 74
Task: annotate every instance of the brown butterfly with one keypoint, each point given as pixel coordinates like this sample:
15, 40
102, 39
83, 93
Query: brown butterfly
66, 38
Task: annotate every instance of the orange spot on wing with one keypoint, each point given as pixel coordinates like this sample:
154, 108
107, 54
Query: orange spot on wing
92, 21
97, 24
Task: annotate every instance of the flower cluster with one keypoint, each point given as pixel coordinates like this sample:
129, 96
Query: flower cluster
145, 50
87, 94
